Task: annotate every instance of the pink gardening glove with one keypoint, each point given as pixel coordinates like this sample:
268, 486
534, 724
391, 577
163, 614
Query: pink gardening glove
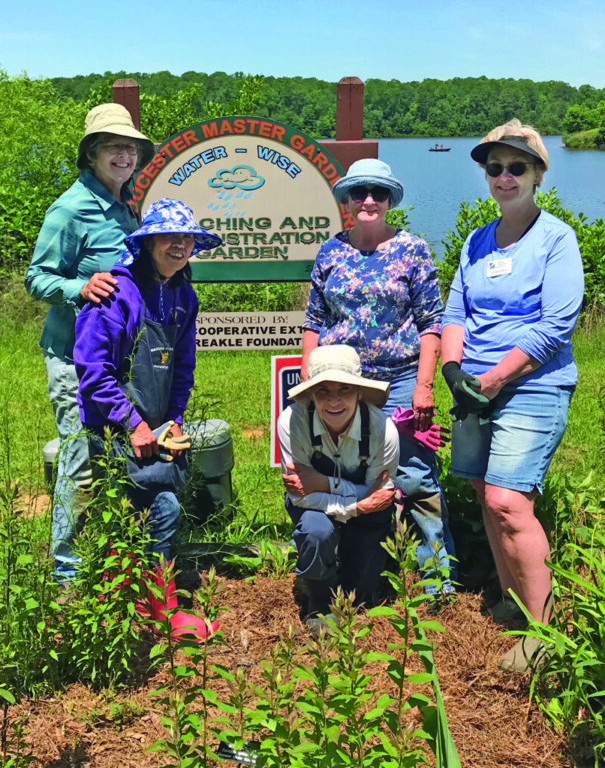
434, 437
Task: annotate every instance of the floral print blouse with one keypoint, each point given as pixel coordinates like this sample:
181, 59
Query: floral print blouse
379, 302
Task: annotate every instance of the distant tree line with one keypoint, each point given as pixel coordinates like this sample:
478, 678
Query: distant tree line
41, 122
468, 106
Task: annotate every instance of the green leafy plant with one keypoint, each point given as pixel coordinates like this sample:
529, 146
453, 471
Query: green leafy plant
591, 240
399, 217
13, 747
320, 712
100, 621
186, 714
402, 549
569, 681
271, 559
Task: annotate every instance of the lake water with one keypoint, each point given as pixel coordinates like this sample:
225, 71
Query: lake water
436, 182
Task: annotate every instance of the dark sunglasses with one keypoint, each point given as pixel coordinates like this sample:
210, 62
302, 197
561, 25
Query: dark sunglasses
360, 193
517, 168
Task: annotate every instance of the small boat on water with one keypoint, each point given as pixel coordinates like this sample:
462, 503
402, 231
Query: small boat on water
439, 148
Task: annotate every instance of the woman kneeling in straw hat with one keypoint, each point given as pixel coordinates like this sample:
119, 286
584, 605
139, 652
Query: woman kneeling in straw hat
339, 454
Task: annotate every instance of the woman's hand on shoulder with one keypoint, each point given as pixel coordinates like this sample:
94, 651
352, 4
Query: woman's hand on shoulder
99, 287
143, 441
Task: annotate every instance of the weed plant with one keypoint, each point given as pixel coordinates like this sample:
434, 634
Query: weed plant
99, 627
320, 711
569, 681
569, 685
186, 713
271, 560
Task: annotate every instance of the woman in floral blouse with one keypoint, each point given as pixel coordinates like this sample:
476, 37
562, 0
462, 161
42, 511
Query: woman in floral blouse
375, 288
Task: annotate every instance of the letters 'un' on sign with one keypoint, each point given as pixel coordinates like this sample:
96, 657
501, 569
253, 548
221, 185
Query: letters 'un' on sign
285, 374
264, 187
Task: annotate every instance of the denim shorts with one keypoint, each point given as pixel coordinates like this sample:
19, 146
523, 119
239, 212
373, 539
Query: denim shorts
514, 445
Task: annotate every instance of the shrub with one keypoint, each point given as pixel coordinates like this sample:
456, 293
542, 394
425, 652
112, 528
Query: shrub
39, 135
591, 239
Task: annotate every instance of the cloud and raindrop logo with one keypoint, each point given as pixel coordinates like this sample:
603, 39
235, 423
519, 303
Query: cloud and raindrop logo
243, 178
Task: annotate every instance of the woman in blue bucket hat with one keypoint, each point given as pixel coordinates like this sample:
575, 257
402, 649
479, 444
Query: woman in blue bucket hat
374, 287
135, 357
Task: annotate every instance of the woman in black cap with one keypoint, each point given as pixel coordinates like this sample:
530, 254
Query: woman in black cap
506, 349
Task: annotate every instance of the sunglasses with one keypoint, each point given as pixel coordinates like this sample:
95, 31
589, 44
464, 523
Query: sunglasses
517, 168
360, 193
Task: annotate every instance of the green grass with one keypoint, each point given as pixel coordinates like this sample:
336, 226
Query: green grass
26, 418
235, 386
582, 446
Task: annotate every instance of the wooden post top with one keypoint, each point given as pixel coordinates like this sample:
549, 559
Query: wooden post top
349, 109
126, 93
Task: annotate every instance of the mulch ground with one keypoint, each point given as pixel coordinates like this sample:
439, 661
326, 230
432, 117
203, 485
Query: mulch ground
488, 713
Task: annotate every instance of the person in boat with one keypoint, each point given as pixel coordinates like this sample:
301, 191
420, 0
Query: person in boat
339, 454
375, 288
507, 358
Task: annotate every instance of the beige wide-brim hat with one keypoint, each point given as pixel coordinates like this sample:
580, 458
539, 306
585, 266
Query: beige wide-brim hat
340, 363
116, 119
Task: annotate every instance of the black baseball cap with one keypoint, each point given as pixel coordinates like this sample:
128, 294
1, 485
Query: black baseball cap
481, 151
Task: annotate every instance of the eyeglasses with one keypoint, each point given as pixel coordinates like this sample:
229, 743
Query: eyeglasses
517, 168
117, 149
359, 194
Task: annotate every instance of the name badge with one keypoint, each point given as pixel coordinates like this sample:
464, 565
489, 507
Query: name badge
500, 267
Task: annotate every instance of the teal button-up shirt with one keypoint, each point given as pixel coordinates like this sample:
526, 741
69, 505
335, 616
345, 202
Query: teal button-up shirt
83, 233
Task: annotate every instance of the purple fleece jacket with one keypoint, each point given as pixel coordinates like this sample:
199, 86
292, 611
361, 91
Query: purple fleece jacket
105, 335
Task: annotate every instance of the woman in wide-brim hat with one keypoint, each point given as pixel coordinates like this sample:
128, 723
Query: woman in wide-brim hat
135, 358
374, 287
339, 454
81, 238
508, 361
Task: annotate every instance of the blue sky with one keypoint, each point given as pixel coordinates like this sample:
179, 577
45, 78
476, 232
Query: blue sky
327, 39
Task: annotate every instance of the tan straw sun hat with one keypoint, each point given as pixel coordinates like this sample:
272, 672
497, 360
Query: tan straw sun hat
116, 119
340, 363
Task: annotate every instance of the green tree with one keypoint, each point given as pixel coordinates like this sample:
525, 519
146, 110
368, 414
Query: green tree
39, 135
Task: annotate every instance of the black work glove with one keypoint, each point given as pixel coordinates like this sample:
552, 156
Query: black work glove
465, 388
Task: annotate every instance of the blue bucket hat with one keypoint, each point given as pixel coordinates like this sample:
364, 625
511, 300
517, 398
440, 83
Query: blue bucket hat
163, 216
369, 171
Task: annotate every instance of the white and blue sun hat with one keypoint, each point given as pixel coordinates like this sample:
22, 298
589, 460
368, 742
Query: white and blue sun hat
369, 170
163, 216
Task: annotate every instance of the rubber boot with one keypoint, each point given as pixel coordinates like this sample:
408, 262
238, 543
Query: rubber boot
320, 596
183, 624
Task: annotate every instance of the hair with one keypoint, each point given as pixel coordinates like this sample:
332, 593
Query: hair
145, 271
515, 127
91, 150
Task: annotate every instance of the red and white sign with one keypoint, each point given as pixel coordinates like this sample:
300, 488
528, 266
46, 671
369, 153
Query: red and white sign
285, 374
